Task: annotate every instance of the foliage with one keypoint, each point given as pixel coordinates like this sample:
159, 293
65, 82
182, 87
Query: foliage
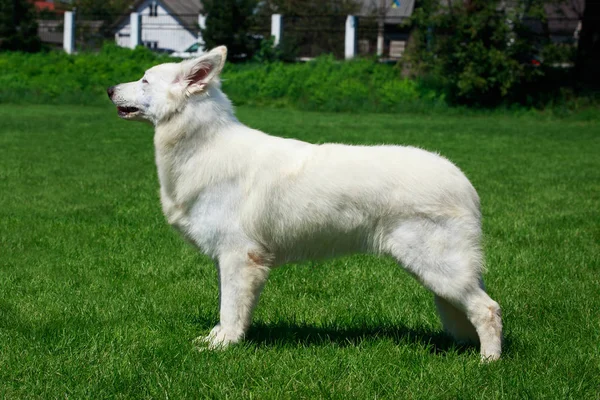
286, 50
588, 49
326, 84
268, 52
228, 23
477, 51
18, 28
59, 77
558, 53
359, 85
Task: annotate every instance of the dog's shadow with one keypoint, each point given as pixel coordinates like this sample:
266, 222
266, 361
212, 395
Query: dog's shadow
283, 333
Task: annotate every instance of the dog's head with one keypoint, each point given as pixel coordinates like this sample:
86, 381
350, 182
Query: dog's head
166, 89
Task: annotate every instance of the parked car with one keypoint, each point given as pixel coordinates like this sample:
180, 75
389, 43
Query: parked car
194, 50
163, 51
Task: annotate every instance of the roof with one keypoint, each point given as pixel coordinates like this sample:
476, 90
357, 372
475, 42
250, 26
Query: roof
394, 13
185, 11
563, 18
44, 5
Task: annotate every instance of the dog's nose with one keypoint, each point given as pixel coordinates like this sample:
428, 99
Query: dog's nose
110, 91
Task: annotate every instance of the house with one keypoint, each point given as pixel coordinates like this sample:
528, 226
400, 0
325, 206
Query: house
394, 11
392, 34
561, 25
49, 22
43, 5
564, 20
166, 25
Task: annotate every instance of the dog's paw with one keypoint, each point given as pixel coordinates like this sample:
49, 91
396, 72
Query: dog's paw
219, 338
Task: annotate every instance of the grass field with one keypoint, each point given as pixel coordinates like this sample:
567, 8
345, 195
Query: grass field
99, 298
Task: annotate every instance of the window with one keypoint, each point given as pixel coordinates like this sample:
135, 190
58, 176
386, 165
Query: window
153, 9
153, 45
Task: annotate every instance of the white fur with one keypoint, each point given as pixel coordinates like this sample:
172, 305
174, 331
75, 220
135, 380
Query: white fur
253, 201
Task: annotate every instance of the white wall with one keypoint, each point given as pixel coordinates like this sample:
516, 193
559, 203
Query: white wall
163, 29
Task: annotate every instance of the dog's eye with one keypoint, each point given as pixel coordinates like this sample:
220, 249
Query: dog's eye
144, 80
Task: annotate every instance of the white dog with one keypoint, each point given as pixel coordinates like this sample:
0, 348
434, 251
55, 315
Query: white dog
253, 202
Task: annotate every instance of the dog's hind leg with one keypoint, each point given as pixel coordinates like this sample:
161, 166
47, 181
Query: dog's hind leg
241, 280
445, 257
455, 321
470, 316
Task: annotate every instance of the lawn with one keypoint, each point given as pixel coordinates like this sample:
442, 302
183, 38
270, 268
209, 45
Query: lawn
99, 298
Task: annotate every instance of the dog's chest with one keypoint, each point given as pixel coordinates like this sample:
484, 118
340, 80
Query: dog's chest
210, 219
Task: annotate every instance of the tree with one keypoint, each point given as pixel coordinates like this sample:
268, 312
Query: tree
18, 28
587, 63
228, 23
475, 49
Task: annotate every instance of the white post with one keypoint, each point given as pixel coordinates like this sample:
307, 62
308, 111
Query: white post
202, 21
202, 24
380, 43
69, 32
277, 28
135, 30
381, 13
351, 30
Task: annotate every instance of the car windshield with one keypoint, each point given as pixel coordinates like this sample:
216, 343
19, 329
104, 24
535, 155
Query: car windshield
193, 48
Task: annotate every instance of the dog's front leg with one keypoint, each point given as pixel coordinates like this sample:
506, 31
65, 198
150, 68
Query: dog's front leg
241, 279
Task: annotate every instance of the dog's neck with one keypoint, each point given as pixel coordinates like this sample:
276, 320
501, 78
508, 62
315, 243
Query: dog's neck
188, 133
199, 119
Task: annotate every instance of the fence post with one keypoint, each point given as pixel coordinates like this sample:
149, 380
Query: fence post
351, 35
135, 30
202, 21
69, 32
277, 28
202, 24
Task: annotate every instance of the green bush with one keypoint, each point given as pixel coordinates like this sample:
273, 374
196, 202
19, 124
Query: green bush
56, 77
479, 53
362, 85
18, 26
323, 84
327, 84
228, 23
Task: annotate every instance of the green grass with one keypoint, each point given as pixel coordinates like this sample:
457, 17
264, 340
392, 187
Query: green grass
99, 298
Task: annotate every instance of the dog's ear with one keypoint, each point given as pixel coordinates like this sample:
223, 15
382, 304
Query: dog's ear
197, 73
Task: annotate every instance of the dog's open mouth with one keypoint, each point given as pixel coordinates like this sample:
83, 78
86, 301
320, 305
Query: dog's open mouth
127, 111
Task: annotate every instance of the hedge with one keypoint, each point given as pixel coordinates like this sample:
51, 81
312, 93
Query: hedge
323, 84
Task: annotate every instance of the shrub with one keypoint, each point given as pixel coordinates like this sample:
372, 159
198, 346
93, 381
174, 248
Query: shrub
228, 23
327, 84
361, 85
18, 28
478, 53
57, 77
